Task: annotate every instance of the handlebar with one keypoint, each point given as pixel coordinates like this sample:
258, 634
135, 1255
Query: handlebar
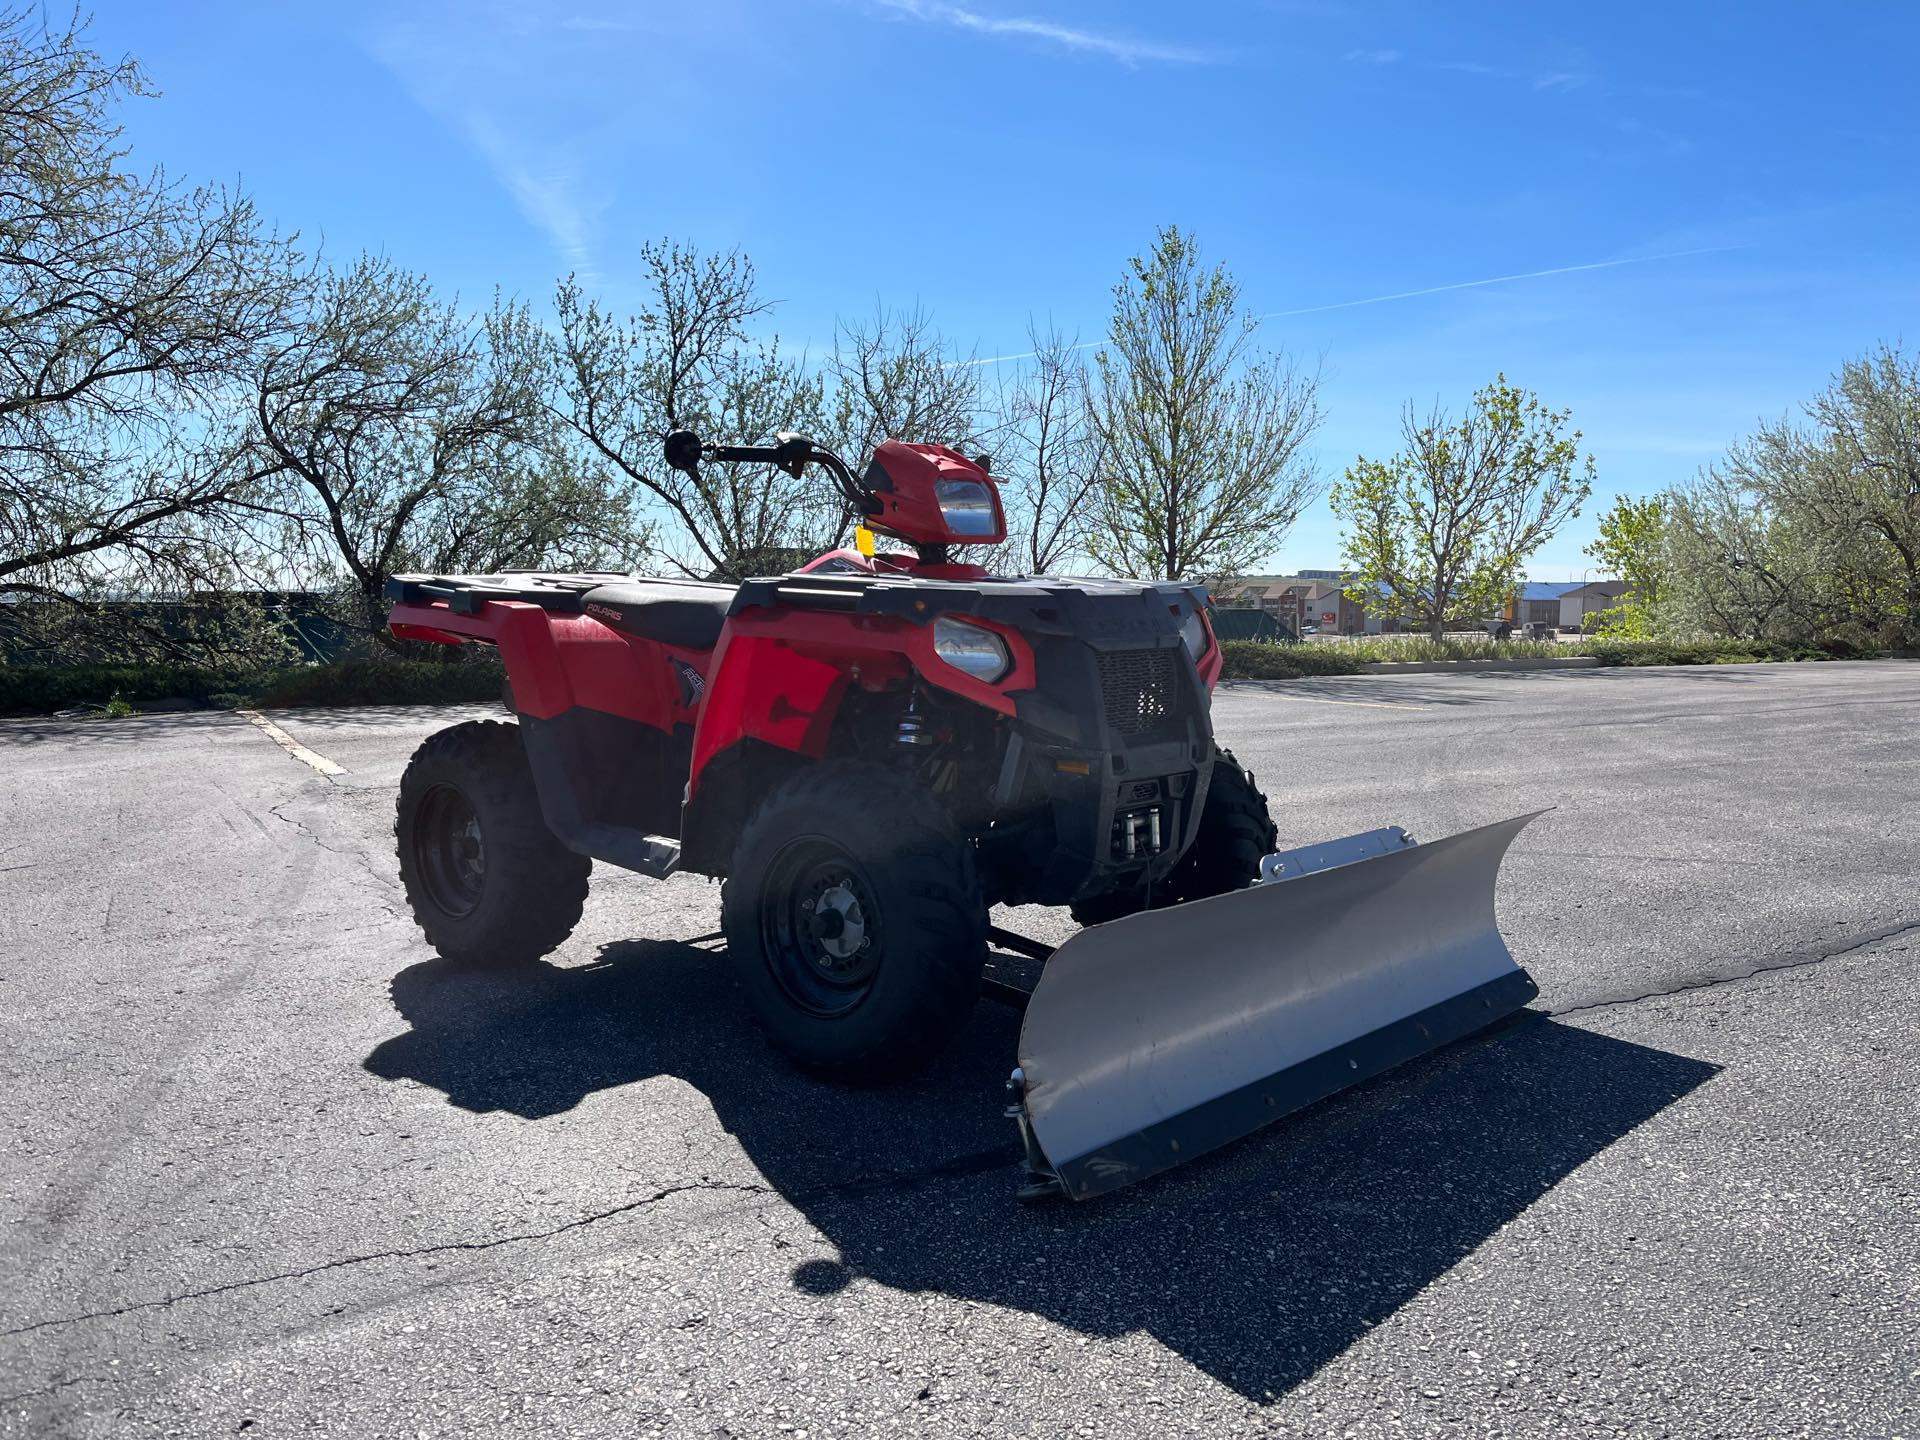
743, 454
685, 450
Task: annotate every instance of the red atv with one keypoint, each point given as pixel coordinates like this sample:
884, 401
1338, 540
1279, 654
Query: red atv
873, 751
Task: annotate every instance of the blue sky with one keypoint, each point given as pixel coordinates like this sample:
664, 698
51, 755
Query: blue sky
999, 159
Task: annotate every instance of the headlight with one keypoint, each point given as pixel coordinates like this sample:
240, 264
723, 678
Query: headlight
971, 650
1193, 634
966, 506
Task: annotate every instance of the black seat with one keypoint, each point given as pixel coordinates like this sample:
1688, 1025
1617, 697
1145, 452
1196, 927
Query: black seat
687, 613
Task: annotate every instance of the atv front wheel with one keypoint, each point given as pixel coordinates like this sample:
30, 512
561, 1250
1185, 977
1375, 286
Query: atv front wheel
1236, 833
488, 881
855, 923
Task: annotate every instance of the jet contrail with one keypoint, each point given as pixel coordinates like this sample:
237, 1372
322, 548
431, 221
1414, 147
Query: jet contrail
1411, 294
1500, 280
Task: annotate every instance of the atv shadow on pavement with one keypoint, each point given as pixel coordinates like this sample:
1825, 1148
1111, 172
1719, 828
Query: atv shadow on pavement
1258, 1264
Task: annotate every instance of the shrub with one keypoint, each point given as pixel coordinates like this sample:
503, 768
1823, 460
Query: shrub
384, 682
1270, 660
41, 689
1715, 651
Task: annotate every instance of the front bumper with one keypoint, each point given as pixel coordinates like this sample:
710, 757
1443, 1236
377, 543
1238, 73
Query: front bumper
1104, 773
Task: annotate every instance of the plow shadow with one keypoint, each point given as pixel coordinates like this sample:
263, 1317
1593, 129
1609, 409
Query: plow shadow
1258, 1264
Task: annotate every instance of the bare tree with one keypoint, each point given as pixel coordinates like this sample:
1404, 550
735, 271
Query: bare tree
687, 361
408, 437
1049, 455
129, 305
1204, 437
895, 378
1444, 526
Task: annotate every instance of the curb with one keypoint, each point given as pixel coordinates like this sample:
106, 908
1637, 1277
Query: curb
1479, 667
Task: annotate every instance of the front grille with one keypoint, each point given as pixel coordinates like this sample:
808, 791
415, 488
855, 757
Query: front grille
1139, 688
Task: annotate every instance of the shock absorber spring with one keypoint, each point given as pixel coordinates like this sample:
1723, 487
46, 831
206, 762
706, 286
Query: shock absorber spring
912, 732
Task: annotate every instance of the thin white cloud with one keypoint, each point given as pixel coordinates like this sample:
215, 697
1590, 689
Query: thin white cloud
1666, 140
1538, 79
544, 192
471, 82
1114, 46
1499, 280
1415, 294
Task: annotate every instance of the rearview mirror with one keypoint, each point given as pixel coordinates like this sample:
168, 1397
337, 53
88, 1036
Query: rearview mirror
683, 451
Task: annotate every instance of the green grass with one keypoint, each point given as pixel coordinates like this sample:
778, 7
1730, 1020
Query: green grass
1405, 649
1267, 660
120, 689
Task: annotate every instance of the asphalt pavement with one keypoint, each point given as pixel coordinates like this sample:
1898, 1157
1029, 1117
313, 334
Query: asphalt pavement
274, 1169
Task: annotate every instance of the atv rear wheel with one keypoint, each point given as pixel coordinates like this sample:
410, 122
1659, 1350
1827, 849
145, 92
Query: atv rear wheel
855, 922
488, 882
1236, 833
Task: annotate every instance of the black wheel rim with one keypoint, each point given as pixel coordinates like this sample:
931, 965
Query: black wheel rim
820, 928
450, 850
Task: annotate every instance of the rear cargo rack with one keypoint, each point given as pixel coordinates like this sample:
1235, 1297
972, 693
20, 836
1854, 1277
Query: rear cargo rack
465, 594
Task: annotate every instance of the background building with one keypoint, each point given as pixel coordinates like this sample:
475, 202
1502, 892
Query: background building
1315, 600
1580, 601
1541, 602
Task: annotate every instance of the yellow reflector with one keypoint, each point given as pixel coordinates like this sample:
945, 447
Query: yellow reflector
863, 540
1073, 767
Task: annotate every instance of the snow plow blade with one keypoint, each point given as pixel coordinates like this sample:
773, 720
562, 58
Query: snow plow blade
1159, 1037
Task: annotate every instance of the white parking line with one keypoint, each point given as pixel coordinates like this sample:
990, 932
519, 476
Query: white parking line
294, 748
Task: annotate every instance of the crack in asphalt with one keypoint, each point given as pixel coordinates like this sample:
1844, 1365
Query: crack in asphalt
1801, 961
307, 832
54, 1385
971, 1164
361, 858
372, 1257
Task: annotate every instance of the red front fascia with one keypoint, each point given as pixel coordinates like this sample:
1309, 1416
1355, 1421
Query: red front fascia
910, 509
779, 675
1210, 664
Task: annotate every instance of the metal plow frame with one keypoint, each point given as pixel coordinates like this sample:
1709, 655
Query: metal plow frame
1157, 1038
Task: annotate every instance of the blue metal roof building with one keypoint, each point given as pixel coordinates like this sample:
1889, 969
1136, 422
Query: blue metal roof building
1547, 589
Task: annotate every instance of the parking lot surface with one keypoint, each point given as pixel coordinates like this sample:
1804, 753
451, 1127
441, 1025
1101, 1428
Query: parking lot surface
275, 1169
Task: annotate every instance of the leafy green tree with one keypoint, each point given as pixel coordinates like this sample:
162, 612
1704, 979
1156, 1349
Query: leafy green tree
1444, 526
1738, 565
1632, 548
1202, 436
1853, 477
1809, 530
